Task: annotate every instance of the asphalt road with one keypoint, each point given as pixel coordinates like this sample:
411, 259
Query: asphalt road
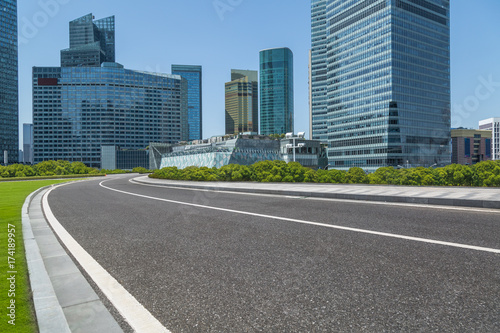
209, 270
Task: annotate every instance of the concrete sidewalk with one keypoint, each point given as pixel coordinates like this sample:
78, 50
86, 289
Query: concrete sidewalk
446, 196
63, 299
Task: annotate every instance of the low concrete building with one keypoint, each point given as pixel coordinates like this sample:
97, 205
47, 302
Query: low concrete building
112, 157
470, 146
244, 150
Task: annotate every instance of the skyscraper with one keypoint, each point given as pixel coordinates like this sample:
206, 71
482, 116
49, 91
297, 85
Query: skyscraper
193, 75
387, 81
276, 91
91, 101
76, 110
90, 42
9, 112
27, 143
242, 103
317, 72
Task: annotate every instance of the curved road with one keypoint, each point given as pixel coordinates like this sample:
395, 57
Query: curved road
199, 264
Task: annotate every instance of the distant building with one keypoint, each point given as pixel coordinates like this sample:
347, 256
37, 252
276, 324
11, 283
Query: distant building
242, 103
89, 102
470, 146
318, 72
193, 75
9, 112
27, 144
493, 125
112, 158
276, 91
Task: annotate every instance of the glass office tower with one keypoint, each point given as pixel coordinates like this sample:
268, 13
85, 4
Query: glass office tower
27, 143
90, 42
276, 91
76, 110
317, 68
242, 103
193, 75
9, 110
387, 79
92, 101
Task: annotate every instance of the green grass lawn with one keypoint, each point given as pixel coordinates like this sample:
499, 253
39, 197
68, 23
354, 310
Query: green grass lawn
12, 197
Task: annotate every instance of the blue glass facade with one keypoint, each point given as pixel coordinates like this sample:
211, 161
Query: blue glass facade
76, 110
276, 91
27, 143
9, 112
387, 79
193, 75
488, 148
318, 67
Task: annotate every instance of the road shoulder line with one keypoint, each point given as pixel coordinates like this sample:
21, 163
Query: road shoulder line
138, 317
364, 231
464, 203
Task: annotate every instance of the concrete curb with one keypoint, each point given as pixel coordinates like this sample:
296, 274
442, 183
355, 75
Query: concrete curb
471, 203
49, 313
63, 299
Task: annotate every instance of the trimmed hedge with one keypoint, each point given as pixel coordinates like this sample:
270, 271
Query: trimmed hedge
481, 174
50, 177
46, 168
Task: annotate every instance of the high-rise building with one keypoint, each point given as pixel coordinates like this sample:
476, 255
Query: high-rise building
387, 81
317, 73
276, 91
193, 75
90, 42
469, 146
86, 104
242, 104
28, 143
9, 110
76, 110
493, 125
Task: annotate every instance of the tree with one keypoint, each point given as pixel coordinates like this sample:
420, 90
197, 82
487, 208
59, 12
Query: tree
357, 175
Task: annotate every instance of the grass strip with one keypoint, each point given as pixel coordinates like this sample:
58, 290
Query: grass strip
16, 307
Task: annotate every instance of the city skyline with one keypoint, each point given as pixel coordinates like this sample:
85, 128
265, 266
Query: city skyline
472, 64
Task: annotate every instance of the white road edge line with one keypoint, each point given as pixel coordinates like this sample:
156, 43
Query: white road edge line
138, 317
385, 203
364, 231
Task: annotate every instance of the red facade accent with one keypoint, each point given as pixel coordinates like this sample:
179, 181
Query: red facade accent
47, 82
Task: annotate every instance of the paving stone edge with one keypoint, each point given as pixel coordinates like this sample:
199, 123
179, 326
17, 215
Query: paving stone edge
471, 203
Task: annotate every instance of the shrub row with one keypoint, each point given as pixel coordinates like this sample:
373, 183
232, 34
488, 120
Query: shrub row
57, 168
46, 168
481, 174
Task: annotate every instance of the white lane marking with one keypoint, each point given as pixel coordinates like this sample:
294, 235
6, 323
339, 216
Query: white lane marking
364, 231
140, 319
385, 203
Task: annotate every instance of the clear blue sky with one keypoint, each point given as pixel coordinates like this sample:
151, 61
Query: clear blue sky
153, 34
